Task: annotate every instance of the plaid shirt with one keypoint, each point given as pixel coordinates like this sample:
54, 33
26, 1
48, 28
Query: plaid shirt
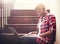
46, 23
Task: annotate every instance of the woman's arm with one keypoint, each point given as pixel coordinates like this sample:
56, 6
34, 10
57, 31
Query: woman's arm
33, 32
46, 33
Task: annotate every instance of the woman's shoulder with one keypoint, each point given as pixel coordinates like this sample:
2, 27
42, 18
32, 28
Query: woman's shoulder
50, 15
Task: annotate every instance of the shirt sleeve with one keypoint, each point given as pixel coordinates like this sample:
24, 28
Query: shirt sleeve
52, 23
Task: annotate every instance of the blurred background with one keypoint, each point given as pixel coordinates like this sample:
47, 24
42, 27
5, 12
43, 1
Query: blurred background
20, 14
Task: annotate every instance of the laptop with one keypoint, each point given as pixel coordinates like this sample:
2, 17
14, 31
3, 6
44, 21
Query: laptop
15, 32
21, 35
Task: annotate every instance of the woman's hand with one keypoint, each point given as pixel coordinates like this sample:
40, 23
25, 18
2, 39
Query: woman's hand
34, 32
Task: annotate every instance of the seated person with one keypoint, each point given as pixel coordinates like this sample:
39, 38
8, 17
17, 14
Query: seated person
46, 26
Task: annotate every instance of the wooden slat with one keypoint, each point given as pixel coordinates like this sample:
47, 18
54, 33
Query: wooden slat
23, 13
21, 28
22, 20
22, 24
25, 16
13, 34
